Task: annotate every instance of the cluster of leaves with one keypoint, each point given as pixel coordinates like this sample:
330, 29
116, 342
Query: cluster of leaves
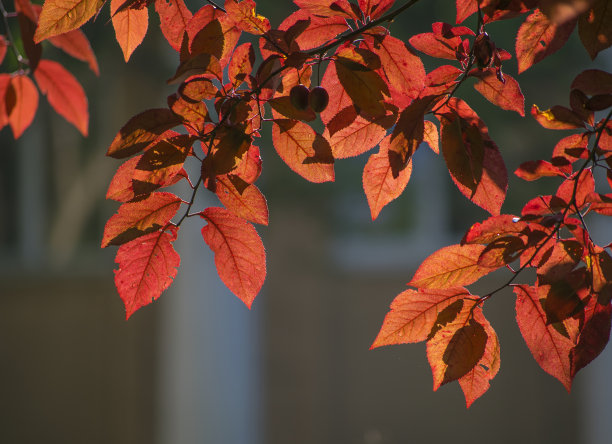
380, 95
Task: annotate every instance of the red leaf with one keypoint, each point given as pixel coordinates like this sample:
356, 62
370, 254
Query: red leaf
457, 347
538, 38
319, 31
173, 17
431, 137
3, 47
506, 95
440, 81
141, 130
452, 266
493, 228
212, 32
408, 133
437, 44
304, 151
60, 16
326, 8
21, 99
244, 17
239, 253
416, 313
5, 80
593, 82
594, 335
241, 64
536, 169
135, 219
247, 203
557, 117
147, 266
120, 188
375, 8
476, 382
64, 92
339, 100
550, 349
130, 26
75, 43
380, 184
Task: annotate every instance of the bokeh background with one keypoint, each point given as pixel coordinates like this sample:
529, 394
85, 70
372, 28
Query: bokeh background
196, 366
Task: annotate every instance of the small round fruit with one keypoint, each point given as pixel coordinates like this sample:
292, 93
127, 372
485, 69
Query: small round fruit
299, 97
319, 98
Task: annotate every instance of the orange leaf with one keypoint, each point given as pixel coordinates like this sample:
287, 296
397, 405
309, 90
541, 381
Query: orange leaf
64, 92
130, 27
457, 347
431, 137
339, 99
3, 47
147, 266
244, 17
212, 32
375, 8
319, 30
550, 348
476, 382
536, 169
452, 266
60, 16
380, 184
245, 202
326, 8
557, 117
241, 64
141, 130
408, 133
173, 17
538, 38
135, 219
506, 95
239, 253
304, 151
120, 188
493, 228
21, 99
5, 80
415, 313
75, 43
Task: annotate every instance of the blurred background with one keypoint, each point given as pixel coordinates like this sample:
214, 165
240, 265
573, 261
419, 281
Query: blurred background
196, 366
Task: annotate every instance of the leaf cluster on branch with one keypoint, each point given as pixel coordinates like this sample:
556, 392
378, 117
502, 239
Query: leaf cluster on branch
336, 62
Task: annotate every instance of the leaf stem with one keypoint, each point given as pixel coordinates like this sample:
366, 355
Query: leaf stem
9, 34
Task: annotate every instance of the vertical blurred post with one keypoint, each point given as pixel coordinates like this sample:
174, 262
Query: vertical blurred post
209, 385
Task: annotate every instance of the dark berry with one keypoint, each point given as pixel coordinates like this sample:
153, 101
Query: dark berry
318, 99
299, 97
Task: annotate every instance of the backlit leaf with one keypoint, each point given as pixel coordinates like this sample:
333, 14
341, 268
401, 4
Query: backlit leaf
431, 137
130, 26
304, 151
538, 38
120, 188
173, 17
64, 92
21, 100
135, 219
60, 16
245, 18
557, 117
141, 130
147, 266
452, 266
375, 8
5, 80
415, 313
247, 203
506, 95
561, 11
241, 64
536, 169
408, 133
326, 8
380, 184
212, 32
3, 47
319, 30
239, 253
75, 43
594, 335
550, 349
493, 228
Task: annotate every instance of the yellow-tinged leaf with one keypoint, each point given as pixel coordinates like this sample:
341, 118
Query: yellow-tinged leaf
60, 16
130, 27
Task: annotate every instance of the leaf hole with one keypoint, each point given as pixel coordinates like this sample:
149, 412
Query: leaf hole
543, 43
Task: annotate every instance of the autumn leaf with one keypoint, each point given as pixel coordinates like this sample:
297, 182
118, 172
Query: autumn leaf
61, 16
594, 335
211, 31
452, 266
430, 136
64, 92
326, 8
239, 253
241, 64
507, 95
21, 102
415, 313
492, 228
408, 133
593, 82
5, 80
245, 18
538, 38
139, 218
318, 30
303, 150
380, 184
130, 26
173, 17
120, 188
147, 266
550, 349
536, 169
242, 199
75, 43
141, 130
558, 118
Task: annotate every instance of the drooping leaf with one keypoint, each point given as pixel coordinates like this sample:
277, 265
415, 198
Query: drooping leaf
173, 17
239, 253
130, 26
75, 43
243, 201
5, 80
538, 38
141, 130
536, 169
557, 117
64, 92
60, 16
408, 133
380, 184
431, 137
21, 101
506, 95
27, 16
304, 151
476, 382
550, 349
452, 266
415, 313
147, 266
136, 219
594, 335
457, 347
